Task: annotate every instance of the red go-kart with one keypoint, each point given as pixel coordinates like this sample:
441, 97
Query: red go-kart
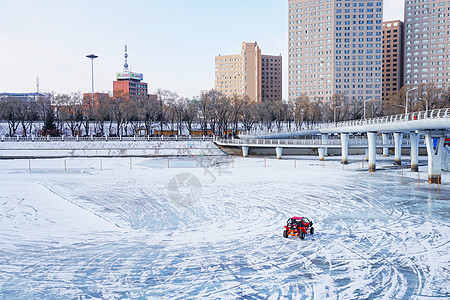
298, 226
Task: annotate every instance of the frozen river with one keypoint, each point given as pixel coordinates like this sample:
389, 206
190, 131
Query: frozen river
91, 228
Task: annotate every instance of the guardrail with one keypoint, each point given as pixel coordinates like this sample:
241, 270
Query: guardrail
309, 142
443, 113
278, 142
104, 138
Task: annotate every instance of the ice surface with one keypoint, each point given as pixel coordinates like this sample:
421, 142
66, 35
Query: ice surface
94, 228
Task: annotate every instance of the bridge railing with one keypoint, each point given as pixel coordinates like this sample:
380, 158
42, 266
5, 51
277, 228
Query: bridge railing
104, 138
277, 142
310, 142
421, 115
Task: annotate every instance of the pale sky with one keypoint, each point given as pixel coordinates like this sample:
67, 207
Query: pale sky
173, 43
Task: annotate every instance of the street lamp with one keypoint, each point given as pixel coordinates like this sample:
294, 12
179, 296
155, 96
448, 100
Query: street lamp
426, 102
406, 101
334, 114
92, 57
365, 101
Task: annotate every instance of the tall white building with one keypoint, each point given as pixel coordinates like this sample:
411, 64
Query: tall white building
335, 47
427, 42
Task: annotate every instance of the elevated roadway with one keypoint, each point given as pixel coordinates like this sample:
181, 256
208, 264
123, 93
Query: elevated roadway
434, 125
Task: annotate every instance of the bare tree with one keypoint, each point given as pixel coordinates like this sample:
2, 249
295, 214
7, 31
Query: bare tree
204, 111
395, 104
164, 98
88, 112
150, 111
280, 113
428, 94
190, 114
28, 114
101, 113
338, 107
418, 99
43, 107
355, 109
264, 115
377, 109
171, 116
59, 104
11, 113
71, 112
237, 104
300, 109
248, 115
178, 111
133, 114
222, 112
309, 112
118, 114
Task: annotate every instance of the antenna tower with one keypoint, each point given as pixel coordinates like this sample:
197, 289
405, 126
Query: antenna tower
125, 66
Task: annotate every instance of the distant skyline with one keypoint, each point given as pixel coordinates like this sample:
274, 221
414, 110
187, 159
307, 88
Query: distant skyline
173, 43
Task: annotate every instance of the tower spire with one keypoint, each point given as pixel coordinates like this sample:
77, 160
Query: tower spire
125, 66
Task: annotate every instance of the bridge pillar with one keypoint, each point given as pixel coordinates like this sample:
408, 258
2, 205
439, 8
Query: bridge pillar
245, 151
434, 157
366, 153
279, 152
321, 154
414, 151
324, 138
344, 145
398, 138
385, 137
372, 137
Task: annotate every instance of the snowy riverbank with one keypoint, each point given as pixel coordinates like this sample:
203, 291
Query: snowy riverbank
140, 148
212, 228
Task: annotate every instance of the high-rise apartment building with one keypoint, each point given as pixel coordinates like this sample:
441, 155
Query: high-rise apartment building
335, 47
427, 42
250, 73
392, 57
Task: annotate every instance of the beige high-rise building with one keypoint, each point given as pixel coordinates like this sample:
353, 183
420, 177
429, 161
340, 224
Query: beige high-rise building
250, 73
427, 42
335, 47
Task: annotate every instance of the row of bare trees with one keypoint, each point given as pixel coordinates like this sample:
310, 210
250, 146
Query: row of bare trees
21, 114
210, 114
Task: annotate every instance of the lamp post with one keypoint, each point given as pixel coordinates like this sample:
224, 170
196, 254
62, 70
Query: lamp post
334, 113
406, 101
92, 57
426, 109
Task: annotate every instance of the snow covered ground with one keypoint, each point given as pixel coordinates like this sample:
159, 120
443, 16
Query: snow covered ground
112, 148
212, 228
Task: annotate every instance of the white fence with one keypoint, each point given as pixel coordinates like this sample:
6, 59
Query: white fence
104, 138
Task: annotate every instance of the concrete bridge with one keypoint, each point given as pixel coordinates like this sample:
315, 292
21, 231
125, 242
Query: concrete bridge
433, 125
